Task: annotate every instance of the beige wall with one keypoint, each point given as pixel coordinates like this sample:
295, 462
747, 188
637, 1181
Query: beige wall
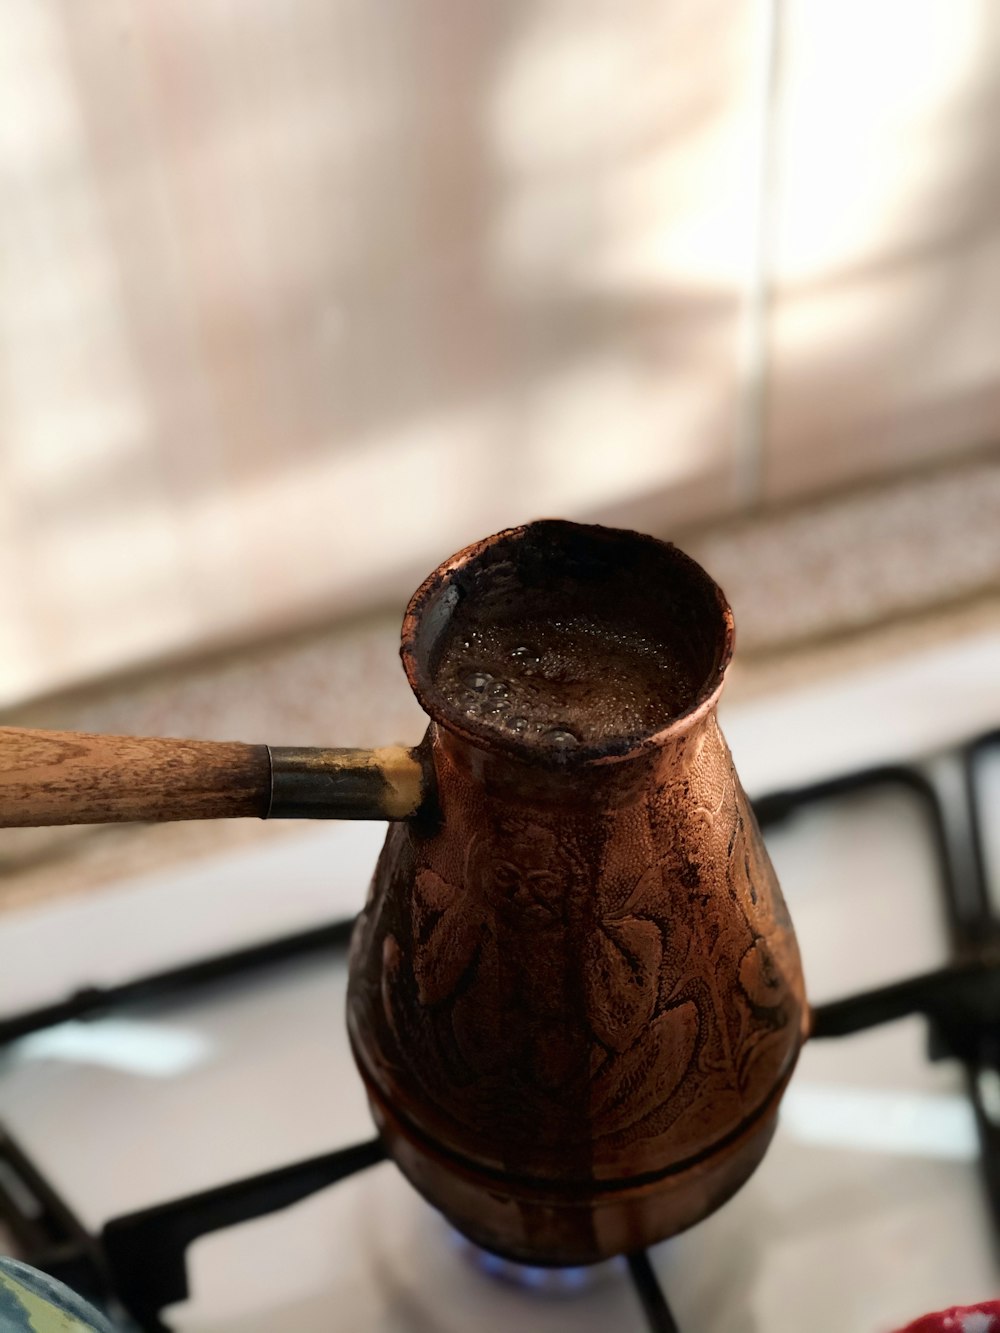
296, 297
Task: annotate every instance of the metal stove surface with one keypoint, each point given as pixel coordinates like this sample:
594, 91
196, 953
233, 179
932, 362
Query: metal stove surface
868, 1210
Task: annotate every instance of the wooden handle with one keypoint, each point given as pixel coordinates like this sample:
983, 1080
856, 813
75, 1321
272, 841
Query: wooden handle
70, 777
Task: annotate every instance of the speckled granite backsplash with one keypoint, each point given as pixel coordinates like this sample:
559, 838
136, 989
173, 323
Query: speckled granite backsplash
815, 588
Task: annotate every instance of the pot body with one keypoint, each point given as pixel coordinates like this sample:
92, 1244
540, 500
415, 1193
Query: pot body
576, 996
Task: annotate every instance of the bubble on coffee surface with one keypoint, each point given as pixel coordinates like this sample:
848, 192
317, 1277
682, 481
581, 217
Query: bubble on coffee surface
525, 656
562, 683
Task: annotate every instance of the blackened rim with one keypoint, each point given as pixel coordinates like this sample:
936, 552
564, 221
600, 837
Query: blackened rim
613, 748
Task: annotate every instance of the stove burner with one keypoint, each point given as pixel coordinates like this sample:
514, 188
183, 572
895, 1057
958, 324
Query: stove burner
138, 1263
555, 1282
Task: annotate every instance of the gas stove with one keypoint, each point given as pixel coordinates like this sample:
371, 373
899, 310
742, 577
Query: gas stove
184, 1135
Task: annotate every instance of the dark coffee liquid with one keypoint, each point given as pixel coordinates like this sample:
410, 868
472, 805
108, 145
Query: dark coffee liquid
562, 683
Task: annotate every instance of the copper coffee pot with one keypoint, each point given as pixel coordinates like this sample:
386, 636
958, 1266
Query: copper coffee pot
575, 994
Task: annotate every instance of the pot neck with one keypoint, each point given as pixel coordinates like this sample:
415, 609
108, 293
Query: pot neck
553, 782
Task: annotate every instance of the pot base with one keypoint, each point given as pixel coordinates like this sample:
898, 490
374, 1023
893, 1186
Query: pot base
546, 1224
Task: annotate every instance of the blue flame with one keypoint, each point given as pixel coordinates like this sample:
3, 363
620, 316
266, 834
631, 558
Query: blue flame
528, 1277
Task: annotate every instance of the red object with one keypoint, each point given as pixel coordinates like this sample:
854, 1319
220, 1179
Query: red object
959, 1319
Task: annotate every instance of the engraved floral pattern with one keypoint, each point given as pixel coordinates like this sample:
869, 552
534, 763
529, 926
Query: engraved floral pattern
568, 992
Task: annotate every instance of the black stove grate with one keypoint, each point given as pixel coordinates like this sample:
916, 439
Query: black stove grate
138, 1262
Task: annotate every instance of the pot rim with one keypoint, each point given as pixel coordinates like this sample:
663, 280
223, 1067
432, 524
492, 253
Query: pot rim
614, 748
